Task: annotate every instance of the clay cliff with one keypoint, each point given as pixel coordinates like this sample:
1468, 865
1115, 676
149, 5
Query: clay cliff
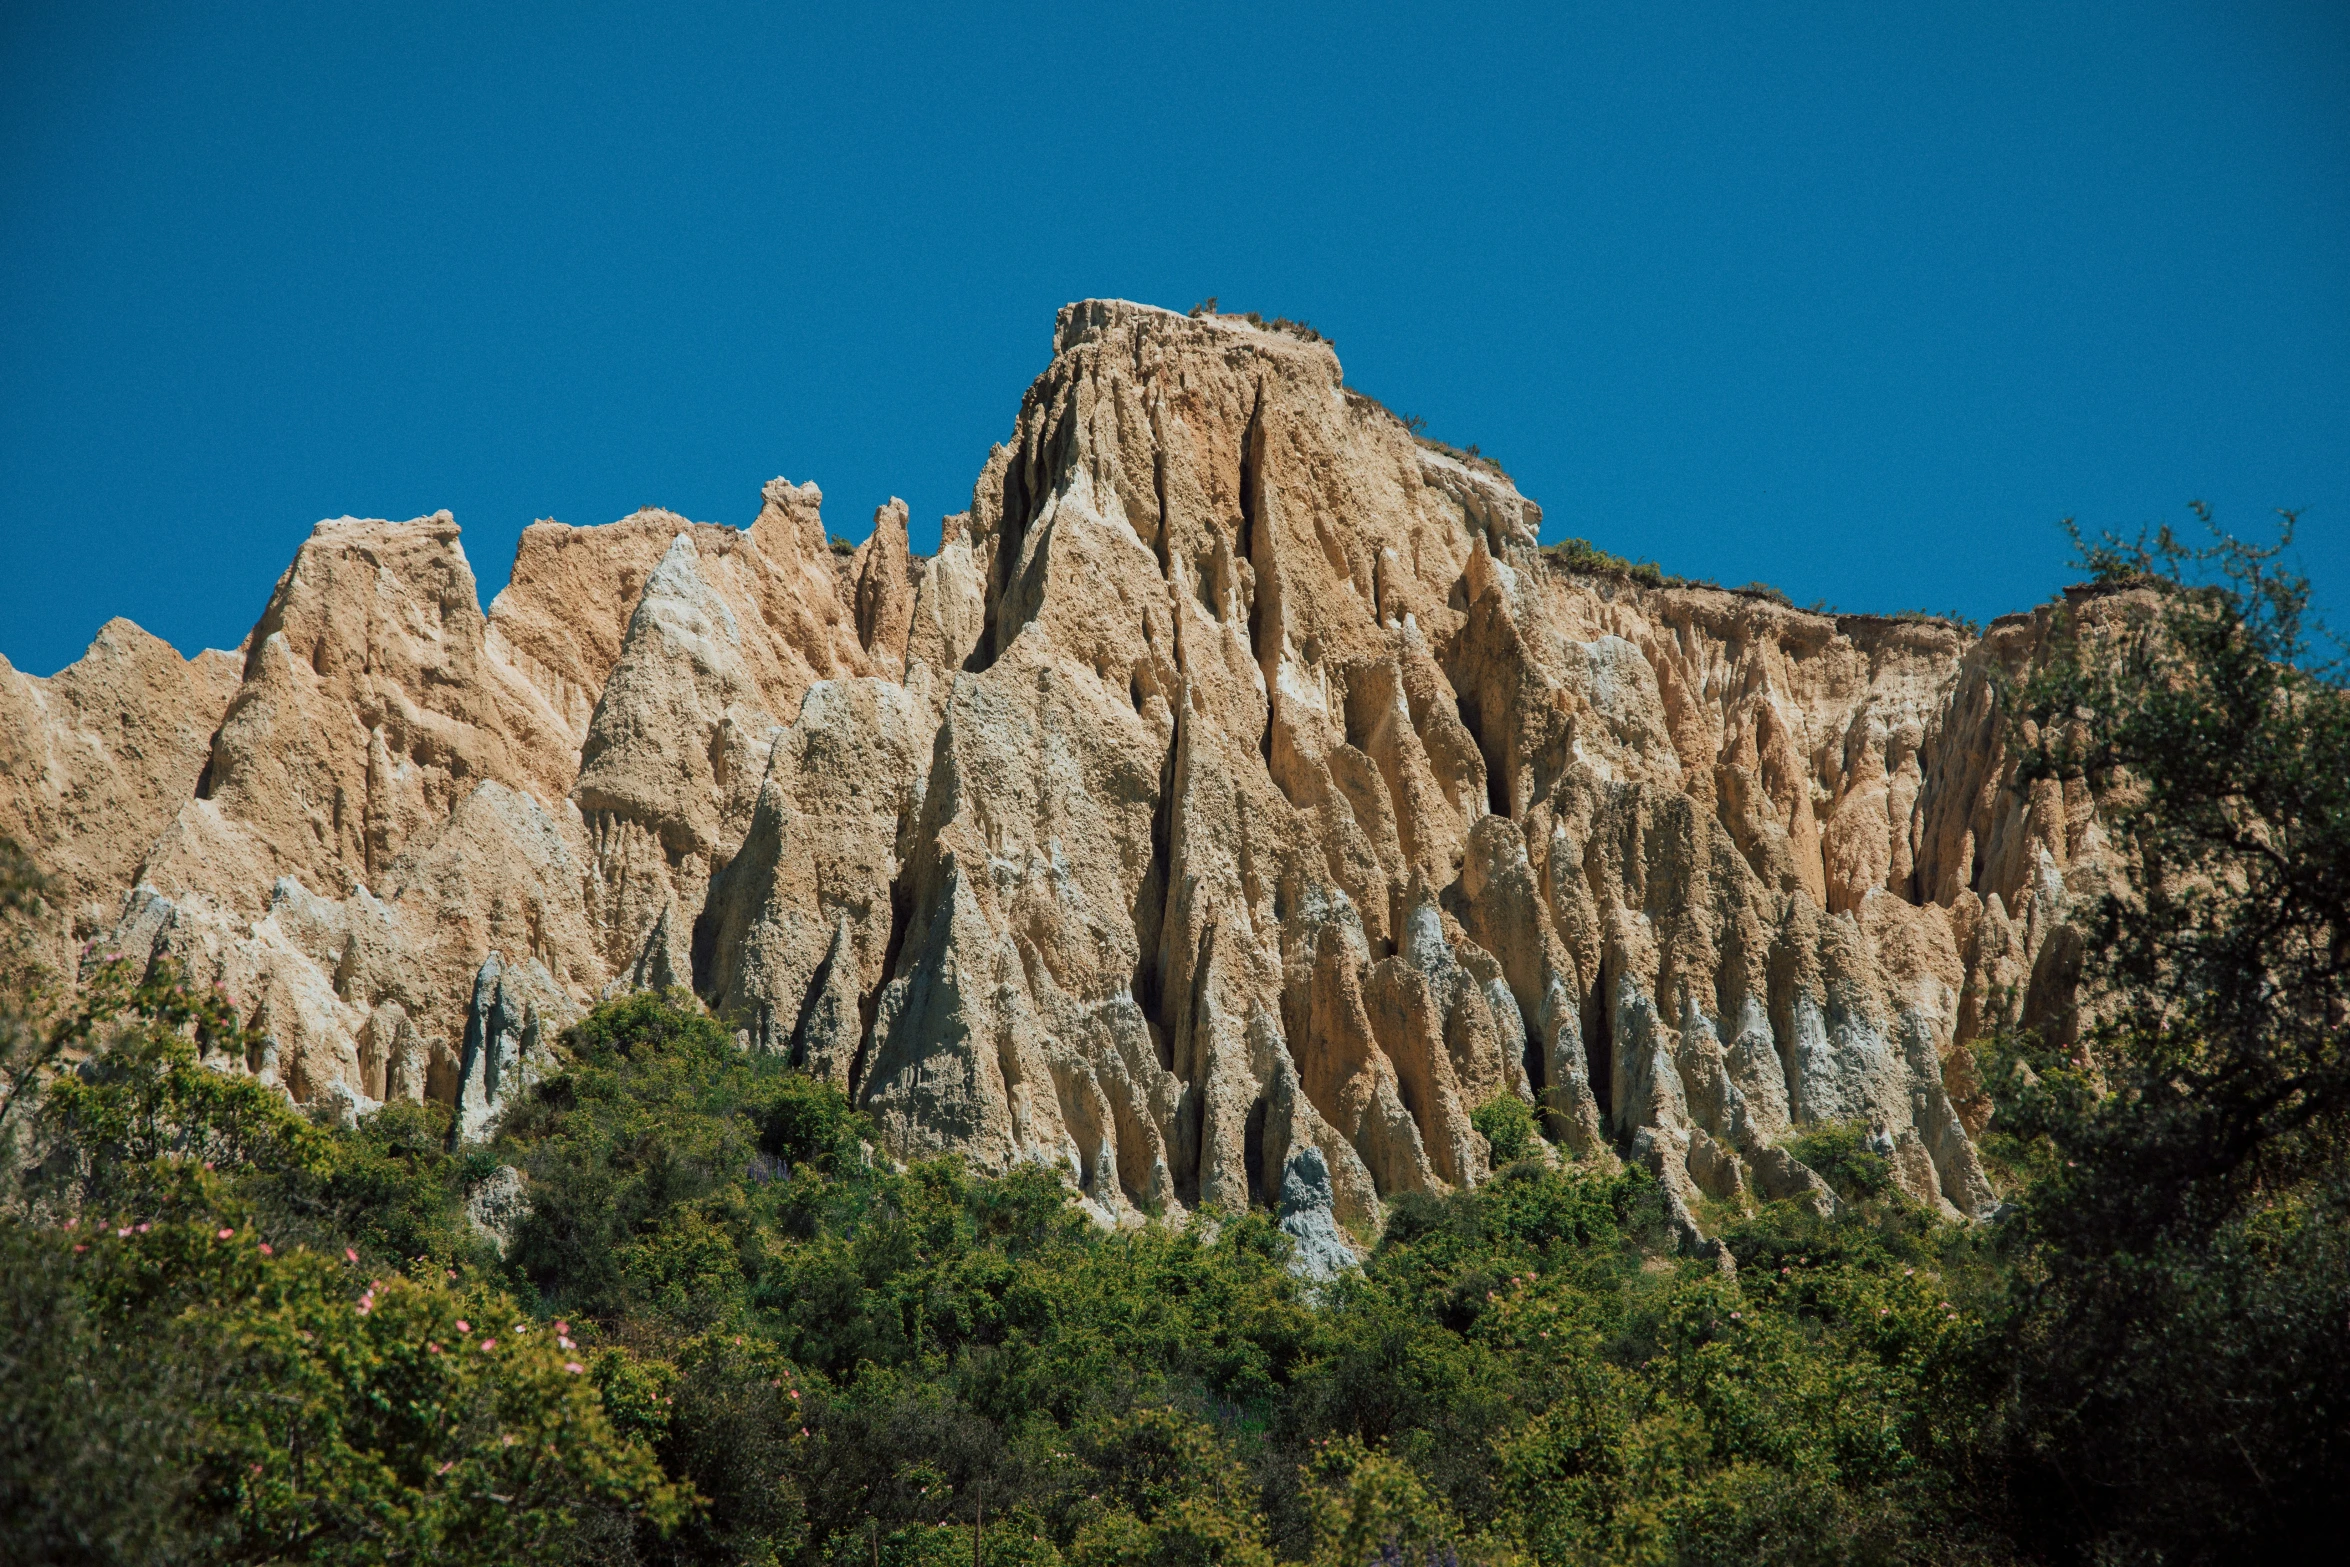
1239, 779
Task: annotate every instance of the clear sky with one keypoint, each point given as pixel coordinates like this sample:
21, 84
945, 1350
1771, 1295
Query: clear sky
1855, 299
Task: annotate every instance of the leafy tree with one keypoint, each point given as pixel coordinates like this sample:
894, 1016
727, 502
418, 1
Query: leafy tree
2181, 1373
190, 1378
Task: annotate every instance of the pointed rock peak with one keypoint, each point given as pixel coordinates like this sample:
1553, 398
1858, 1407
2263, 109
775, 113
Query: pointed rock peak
676, 567
883, 596
678, 604
791, 521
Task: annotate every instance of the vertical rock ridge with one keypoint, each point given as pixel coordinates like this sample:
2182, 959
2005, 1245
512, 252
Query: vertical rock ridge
1238, 785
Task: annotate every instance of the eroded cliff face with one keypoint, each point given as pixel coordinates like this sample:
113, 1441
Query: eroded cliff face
1238, 779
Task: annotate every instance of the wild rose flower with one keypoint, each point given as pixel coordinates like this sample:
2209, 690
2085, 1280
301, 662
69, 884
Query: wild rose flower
350, 1254
226, 1232
267, 1250
488, 1344
574, 1367
464, 1326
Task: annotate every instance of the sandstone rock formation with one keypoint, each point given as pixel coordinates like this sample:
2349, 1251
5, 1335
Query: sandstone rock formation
1238, 798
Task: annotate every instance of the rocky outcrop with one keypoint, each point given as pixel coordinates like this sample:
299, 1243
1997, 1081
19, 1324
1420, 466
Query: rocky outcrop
1237, 800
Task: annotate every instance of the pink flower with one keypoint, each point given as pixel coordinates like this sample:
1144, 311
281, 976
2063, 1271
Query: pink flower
266, 1250
226, 1232
795, 1392
432, 1349
574, 1367
488, 1344
81, 1248
566, 1343
350, 1254
464, 1326
562, 1326
144, 1228
119, 1234
445, 1468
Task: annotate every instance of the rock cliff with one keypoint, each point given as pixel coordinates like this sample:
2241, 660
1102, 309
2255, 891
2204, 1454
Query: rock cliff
1238, 781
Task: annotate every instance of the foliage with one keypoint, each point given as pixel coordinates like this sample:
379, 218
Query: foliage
1840, 1152
197, 1379
791, 1351
1582, 555
2182, 1380
1507, 1125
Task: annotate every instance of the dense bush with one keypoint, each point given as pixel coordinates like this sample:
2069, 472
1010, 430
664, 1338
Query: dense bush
726, 1332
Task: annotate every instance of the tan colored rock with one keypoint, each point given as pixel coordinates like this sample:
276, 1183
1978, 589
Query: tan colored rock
95, 760
1238, 784
882, 590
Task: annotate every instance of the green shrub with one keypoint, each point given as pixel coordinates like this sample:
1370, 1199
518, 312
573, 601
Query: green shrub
1507, 1125
1839, 1151
1582, 555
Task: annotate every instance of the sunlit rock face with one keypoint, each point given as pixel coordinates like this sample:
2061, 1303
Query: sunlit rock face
1238, 779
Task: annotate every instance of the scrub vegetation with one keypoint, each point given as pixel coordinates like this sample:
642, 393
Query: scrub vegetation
725, 1330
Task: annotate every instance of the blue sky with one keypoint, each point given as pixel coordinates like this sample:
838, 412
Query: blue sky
1859, 300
